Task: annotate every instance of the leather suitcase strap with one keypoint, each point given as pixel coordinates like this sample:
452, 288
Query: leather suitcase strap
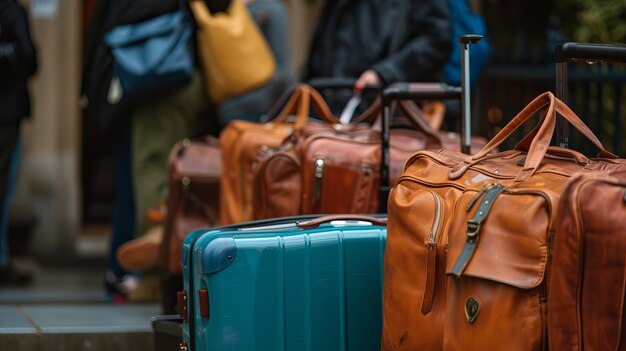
474, 225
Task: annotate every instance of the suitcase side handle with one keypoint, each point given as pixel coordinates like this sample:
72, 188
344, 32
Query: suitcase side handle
590, 52
314, 223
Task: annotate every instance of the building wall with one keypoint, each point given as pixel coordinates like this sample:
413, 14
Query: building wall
48, 185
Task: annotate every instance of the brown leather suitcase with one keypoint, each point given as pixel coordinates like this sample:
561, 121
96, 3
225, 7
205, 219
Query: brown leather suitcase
241, 141
194, 168
467, 261
338, 171
587, 294
588, 288
193, 201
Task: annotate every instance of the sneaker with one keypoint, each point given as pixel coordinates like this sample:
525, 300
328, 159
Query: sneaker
118, 288
12, 277
141, 254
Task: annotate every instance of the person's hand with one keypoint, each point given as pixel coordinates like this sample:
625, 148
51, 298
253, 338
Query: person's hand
368, 77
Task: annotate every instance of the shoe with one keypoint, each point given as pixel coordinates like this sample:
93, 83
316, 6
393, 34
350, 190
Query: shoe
141, 254
149, 290
118, 288
12, 277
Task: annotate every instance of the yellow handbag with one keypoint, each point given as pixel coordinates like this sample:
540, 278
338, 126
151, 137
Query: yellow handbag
234, 55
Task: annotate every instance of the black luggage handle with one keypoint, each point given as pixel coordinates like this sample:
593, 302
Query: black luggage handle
405, 91
422, 91
591, 53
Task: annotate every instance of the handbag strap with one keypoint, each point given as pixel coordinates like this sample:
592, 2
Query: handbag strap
433, 113
419, 122
417, 119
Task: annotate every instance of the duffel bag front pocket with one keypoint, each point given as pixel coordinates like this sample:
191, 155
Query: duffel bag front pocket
496, 264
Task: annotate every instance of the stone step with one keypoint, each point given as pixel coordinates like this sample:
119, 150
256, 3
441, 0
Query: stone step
89, 327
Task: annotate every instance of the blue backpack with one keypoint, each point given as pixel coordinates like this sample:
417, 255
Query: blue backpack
464, 21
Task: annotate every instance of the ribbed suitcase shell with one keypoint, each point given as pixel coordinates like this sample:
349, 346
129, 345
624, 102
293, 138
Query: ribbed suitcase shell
273, 286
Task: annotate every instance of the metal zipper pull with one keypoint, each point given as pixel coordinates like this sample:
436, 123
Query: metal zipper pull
319, 174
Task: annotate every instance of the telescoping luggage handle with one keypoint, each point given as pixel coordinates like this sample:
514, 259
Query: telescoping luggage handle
421, 91
590, 53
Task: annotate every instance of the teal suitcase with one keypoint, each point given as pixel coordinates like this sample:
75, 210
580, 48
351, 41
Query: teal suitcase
299, 283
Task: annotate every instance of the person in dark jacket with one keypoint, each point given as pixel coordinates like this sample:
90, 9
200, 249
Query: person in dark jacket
380, 41
18, 62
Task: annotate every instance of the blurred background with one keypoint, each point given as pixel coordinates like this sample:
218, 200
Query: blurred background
61, 214
62, 208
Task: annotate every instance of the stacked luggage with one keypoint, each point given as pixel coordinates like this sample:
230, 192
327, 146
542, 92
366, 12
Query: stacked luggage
518, 249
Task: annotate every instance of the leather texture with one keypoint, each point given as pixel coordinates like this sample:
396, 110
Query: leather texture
234, 55
499, 299
587, 295
153, 56
338, 170
193, 201
242, 140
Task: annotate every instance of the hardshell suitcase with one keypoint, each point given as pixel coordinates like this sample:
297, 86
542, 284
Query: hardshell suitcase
299, 283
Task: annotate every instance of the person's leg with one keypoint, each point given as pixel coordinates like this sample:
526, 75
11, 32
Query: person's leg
8, 138
123, 225
157, 126
10, 156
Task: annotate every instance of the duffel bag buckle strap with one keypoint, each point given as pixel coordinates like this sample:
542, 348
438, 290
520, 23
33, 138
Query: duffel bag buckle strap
473, 228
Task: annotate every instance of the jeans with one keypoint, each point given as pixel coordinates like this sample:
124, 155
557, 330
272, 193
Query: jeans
10, 161
123, 227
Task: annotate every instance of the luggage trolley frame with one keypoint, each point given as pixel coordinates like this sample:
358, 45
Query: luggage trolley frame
420, 91
591, 53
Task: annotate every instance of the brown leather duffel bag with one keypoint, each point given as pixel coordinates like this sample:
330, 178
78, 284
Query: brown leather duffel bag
467, 261
193, 201
587, 294
241, 141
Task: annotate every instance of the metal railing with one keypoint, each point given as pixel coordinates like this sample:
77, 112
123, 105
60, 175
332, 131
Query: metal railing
596, 93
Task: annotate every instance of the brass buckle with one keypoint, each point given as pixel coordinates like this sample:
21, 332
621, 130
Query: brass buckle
473, 228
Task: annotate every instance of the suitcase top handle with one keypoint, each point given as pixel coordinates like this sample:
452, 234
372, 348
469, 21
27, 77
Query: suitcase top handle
314, 223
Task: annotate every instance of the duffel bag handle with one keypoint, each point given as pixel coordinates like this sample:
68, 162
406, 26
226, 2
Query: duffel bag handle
314, 223
554, 105
538, 141
432, 113
541, 141
299, 104
417, 118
